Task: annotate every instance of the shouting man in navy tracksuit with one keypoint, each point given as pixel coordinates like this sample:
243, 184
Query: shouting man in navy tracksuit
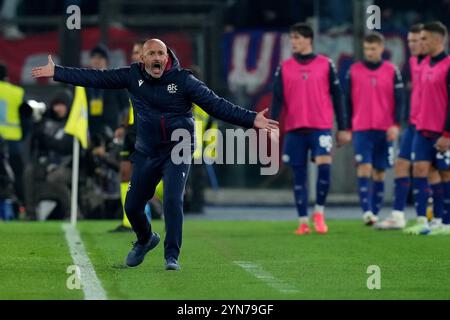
162, 94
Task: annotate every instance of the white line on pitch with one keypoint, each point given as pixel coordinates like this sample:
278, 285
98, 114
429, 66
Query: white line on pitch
90, 283
266, 277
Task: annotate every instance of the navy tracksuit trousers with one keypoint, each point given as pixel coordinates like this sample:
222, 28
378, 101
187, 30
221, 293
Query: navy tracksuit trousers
147, 172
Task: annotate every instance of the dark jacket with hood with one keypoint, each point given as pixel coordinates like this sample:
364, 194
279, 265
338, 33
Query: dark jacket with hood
161, 105
49, 139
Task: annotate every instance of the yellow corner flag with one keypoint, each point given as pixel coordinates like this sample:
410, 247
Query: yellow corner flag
77, 124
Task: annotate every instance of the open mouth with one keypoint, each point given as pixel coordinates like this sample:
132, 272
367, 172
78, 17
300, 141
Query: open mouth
156, 67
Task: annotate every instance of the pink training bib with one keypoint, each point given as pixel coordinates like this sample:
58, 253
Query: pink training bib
307, 97
433, 106
372, 96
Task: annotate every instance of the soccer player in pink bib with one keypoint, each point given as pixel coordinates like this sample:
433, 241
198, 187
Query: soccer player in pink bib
375, 101
307, 93
403, 163
431, 142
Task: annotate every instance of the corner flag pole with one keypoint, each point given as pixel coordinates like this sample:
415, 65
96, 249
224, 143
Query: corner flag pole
75, 171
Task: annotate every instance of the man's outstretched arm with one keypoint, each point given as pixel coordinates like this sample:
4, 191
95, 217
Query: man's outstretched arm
224, 110
105, 79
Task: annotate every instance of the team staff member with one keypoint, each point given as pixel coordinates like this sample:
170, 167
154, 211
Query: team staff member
431, 142
375, 101
13, 112
307, 88
162, 94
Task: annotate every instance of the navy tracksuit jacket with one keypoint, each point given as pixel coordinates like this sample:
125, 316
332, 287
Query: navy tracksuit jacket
161, 106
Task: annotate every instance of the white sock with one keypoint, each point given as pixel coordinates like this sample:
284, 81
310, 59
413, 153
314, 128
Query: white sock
368, 213
303, 220
397, 215
422, 220
319, 209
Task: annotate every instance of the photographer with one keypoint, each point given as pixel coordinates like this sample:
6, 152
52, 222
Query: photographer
48, 175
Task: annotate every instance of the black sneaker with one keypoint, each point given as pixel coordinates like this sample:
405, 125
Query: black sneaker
138, 252
121, 228
172, 264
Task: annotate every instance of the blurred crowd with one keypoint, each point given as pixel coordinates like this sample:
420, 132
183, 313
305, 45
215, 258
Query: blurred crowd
38, 187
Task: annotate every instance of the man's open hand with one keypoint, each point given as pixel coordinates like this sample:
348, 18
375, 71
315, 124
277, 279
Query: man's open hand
343, 137
46, 71
261, 122
392, 133
443, 144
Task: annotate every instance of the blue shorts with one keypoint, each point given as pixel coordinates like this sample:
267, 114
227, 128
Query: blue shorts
406, 142
424, 150
297, 144
372, 147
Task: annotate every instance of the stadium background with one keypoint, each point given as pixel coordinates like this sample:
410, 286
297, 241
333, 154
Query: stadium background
238, 44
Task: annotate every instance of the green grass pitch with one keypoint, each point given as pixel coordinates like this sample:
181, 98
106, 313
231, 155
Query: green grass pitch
34, 258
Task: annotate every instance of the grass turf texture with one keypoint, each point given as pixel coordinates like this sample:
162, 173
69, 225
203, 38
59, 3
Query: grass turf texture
34, 258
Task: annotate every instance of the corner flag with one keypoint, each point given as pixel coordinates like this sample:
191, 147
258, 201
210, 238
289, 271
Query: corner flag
77, 124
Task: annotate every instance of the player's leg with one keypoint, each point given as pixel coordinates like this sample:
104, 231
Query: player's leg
321, 151
422, 155
378, 177
442, 163
295, 154
125, 175
174, 182
402, 183
363, 148
437, 190
146, 174
383, 158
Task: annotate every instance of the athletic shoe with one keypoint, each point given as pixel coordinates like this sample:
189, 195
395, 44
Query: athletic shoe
303, 229
121, 228
369, 218
435, 223
138, 252
443, 230
172, 264
418, 228
395, 222
319, 223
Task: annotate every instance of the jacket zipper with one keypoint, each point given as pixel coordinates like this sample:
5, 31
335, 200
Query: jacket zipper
163, 128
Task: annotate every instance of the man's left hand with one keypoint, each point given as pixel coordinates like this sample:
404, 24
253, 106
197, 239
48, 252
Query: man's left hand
261, 122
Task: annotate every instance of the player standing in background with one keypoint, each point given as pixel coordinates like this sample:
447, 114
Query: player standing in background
107, 108
128, 132
403, 163
375, 101
307, 89
431, 142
